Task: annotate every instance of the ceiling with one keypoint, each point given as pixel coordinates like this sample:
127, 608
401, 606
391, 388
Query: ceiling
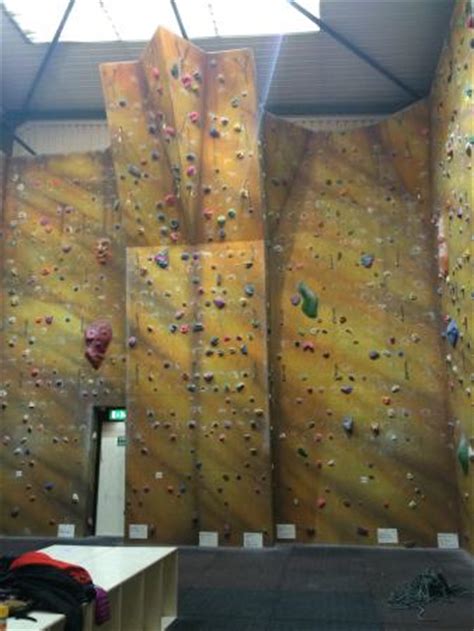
301, 74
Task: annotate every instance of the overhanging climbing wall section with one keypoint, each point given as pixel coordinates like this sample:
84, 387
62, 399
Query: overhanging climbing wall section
199, 453
452, 102
63, 270
185, 143
361, 439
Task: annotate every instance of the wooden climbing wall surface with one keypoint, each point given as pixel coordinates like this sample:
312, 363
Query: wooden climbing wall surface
184, 140
361, 439
185, 147
452, 106
199, 453
63, 268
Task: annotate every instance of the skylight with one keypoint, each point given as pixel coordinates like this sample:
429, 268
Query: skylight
112, 20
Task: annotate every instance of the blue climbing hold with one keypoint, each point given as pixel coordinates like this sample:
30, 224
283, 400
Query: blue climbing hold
452, 333
367, 260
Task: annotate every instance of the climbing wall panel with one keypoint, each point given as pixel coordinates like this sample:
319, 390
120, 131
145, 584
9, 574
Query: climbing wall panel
199, 455
452, 103
63, 270
361, 439
184, 134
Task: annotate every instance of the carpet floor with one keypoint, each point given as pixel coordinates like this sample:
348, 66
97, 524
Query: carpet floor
304, 588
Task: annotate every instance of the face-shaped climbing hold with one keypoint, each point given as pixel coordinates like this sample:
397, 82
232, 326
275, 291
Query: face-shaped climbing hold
98, 336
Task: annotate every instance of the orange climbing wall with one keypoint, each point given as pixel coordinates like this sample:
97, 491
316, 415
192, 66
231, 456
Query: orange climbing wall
199, 456
361, 439
57, 210
185, 147
363, 422
452, 103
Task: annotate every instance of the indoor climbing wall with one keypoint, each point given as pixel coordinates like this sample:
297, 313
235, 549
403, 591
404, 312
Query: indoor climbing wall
185, 147
361, 440
199, 454
452, 106
63, 276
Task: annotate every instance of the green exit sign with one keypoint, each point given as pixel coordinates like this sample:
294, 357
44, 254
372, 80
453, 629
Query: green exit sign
117, 414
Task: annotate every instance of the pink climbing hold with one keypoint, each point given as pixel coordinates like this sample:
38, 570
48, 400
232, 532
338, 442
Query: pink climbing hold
155, 72
98, 336
170, 199
191, 171
308, 346
187, 81
207, 212
194, 117
321, 502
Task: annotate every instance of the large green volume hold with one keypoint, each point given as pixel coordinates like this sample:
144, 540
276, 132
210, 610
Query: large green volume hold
463, 454
310, 301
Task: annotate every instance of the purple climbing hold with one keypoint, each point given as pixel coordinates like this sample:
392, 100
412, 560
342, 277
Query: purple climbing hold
49, 486
348, 424
452, 332
214, 133
208, 377
346, 389
374, 354
162, 259
132, 341
367, 260
220, 303
295, 300
214, 341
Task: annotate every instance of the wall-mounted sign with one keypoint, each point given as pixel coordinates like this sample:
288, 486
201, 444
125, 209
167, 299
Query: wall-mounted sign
117, 414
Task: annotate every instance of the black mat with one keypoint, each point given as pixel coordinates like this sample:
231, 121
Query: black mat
302, 588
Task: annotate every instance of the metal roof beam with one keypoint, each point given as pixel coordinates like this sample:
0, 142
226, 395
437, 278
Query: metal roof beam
177, 15
50, 50
355, 49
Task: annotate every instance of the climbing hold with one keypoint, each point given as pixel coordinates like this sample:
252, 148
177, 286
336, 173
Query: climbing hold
191, 170
462, 453
295, 300
452, 332
98, 336
310, 301
219, 302
308, 346
321, 503
48, 486
249, 289
102, 251
302, 452
194, 117
221, 219
375, 427
175, 71
208, 376
346, 389
132, 341
363, 532
187, 81
374, 355
214, 132
162, 259
232, 213
367, 260
348, 424
134, 170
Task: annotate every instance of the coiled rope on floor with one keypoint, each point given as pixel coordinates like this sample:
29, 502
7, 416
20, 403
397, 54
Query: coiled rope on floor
427, 587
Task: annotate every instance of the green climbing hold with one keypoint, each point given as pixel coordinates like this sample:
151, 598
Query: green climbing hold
302, 452
463, 454
310, 301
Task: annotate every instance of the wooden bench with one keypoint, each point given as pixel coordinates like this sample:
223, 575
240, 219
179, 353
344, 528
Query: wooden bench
142, 583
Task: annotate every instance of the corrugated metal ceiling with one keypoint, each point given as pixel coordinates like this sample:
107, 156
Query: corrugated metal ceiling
299, 74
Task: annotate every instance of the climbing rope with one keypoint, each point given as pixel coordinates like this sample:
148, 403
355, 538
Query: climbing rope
427, 587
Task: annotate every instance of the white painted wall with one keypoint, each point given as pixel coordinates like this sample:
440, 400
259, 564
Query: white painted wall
110, 517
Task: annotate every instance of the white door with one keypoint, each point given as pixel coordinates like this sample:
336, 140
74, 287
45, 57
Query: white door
110, 518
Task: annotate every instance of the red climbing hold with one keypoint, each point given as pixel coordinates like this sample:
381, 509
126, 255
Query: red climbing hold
98, 336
